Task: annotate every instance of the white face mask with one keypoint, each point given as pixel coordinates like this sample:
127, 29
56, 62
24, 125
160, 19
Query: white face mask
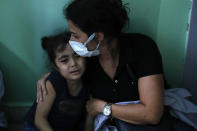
81, 49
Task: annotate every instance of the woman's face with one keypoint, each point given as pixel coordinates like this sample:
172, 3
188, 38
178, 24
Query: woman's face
80, 36
69, 64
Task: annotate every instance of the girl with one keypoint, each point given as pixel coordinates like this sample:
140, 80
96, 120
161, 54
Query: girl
64, 106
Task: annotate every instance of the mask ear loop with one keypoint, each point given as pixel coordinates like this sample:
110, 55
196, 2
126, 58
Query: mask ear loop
98, 45
90, 38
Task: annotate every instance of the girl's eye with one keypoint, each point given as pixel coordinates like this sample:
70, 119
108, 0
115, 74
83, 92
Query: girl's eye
64, 61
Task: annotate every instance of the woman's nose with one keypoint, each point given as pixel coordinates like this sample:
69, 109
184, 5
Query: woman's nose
71, 38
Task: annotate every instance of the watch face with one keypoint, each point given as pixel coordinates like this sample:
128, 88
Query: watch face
107, 111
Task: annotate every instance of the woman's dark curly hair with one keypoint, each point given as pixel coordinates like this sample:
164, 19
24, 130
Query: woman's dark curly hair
107, 16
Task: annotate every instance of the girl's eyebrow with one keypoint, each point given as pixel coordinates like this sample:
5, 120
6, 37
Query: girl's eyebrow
63, 57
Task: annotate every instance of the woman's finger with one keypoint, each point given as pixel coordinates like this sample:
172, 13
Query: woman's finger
39, 92
41, 87
43, 83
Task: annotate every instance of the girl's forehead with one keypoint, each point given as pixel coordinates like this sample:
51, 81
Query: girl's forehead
66, 51
69, 48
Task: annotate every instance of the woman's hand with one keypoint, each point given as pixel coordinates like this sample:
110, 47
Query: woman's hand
41, 87
95, 106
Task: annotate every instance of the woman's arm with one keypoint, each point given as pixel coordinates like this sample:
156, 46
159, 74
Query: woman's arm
150, 108
41, 87
148, 111
43, 109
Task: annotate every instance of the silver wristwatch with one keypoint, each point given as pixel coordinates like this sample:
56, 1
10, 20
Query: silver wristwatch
107, 109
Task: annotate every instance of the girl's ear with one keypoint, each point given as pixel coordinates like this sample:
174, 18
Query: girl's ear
55, 67
100, 36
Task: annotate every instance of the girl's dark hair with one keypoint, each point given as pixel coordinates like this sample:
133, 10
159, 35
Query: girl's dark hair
107, 16
53, 44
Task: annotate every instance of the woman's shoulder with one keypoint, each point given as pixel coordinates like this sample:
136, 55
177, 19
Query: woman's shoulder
136, 45
136, 40
143, 53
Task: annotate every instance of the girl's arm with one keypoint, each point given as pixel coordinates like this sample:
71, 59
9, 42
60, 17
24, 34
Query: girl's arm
148, 111
43, 108
89, 124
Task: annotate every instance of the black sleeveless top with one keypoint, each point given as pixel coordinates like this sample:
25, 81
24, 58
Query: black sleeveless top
68, 112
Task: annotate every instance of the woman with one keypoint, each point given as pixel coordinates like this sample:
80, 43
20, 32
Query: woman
97, 25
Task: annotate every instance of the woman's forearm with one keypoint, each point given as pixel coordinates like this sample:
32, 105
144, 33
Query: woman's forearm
137, 113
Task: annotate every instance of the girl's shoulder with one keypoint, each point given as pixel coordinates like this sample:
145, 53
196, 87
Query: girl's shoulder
57, 80
54, 75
